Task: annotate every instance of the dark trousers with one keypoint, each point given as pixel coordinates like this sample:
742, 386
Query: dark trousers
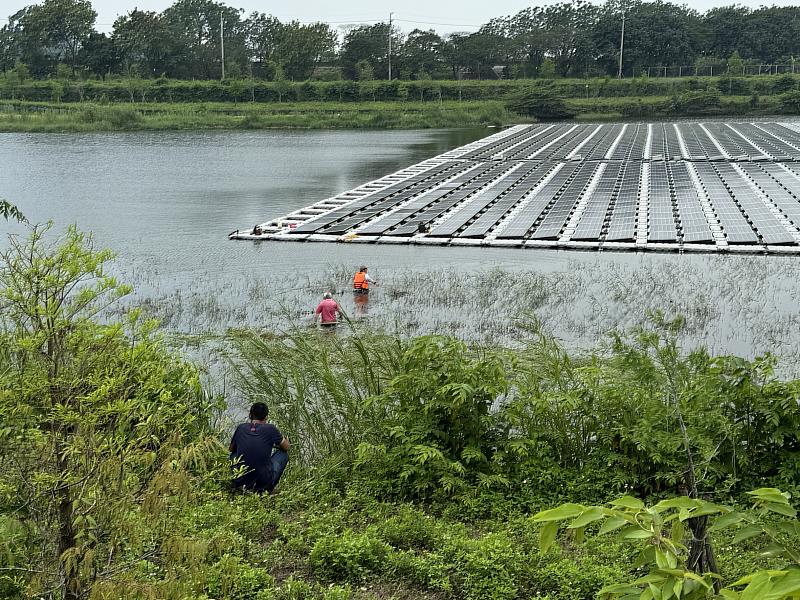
264, 480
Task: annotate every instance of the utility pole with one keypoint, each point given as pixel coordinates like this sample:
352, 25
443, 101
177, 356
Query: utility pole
390, 45
222, 43
621, 46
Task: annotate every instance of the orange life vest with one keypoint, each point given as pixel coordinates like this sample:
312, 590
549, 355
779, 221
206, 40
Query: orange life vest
360, 281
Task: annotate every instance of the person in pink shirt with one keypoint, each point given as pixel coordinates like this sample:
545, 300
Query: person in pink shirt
327, 310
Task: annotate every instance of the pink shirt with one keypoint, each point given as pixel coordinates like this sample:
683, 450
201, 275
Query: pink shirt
327, 308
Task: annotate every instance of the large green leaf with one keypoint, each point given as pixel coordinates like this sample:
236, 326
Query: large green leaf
565, 511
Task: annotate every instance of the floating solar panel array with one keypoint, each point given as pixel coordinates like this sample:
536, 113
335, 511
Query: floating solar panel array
659, 186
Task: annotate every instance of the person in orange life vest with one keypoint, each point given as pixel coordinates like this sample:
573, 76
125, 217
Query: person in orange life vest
327, 310
361, 281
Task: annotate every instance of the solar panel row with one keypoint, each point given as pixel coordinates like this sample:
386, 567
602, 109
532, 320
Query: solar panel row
546, 182
594, 216
520, 223
622, 226
660, 216
488, 220
381, 199
404, 211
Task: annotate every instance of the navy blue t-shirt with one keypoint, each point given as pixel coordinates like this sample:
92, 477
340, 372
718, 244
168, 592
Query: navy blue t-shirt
252, 443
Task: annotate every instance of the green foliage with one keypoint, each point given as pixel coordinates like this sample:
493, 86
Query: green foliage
9, 211
660, 531
348, 557
541, 104
96, 431
433, 431
790, 103
702, 102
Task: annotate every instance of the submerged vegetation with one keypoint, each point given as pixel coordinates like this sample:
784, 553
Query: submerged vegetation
422, 466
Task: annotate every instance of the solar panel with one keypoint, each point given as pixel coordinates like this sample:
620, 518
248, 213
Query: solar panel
622, 226
693, 223
591, 223
659, 183
487, 220
481, 201
660, 217
556, 216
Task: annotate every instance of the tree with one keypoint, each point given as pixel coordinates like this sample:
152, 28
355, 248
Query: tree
364, 71
99, 425
195, 27
143, 39
370, 43
99, 54
422, 53
61, 27
656, 34
542, 104
735, 64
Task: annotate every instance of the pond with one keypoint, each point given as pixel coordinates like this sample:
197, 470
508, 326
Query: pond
165, 203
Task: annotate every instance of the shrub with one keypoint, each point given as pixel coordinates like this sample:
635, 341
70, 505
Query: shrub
230, 578
790, 103
123, 117
349, 557
435, 434
697, 103
541, 104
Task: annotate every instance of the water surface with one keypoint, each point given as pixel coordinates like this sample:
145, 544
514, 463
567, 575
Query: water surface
166, 201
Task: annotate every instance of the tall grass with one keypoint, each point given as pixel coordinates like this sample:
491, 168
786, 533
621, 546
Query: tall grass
317, 383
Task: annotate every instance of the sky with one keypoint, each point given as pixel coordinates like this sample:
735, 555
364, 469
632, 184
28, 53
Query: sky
445, 16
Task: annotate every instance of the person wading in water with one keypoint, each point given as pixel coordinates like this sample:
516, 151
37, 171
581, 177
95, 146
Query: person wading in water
361, 282
328, 309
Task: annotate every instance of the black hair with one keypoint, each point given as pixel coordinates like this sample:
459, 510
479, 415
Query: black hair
259, 411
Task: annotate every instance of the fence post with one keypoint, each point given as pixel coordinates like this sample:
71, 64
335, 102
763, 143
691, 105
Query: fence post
680, 71
712, 70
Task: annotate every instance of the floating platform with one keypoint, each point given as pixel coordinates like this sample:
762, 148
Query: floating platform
704, 187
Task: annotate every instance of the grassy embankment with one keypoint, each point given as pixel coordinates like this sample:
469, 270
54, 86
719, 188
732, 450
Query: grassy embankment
53, 106
50, 117
417, 463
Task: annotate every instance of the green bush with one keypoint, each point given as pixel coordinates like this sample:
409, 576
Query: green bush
231, 579
434, 435
790, 103
123, 117
541, 104
348, 557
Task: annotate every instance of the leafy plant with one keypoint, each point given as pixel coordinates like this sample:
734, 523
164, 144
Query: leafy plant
9, 211
434, 434
661, 531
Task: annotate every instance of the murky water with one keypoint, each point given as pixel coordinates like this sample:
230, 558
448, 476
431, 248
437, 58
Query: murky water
166, 201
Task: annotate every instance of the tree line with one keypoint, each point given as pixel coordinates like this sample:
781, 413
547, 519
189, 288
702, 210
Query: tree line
58, 38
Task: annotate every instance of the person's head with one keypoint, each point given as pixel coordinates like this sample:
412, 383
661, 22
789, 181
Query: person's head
258, 412
327, 295
363, 268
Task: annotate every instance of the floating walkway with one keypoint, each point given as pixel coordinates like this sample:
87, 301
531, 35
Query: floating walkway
638, 186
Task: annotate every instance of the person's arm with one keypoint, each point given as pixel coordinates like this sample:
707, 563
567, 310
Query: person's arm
317, 312
284, 445
339, 310
232, 447
369, 279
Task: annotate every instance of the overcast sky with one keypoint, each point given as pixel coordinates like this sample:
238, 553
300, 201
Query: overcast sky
445, 16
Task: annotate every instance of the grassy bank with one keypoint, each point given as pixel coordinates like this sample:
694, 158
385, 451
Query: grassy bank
44, 117
53, 117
